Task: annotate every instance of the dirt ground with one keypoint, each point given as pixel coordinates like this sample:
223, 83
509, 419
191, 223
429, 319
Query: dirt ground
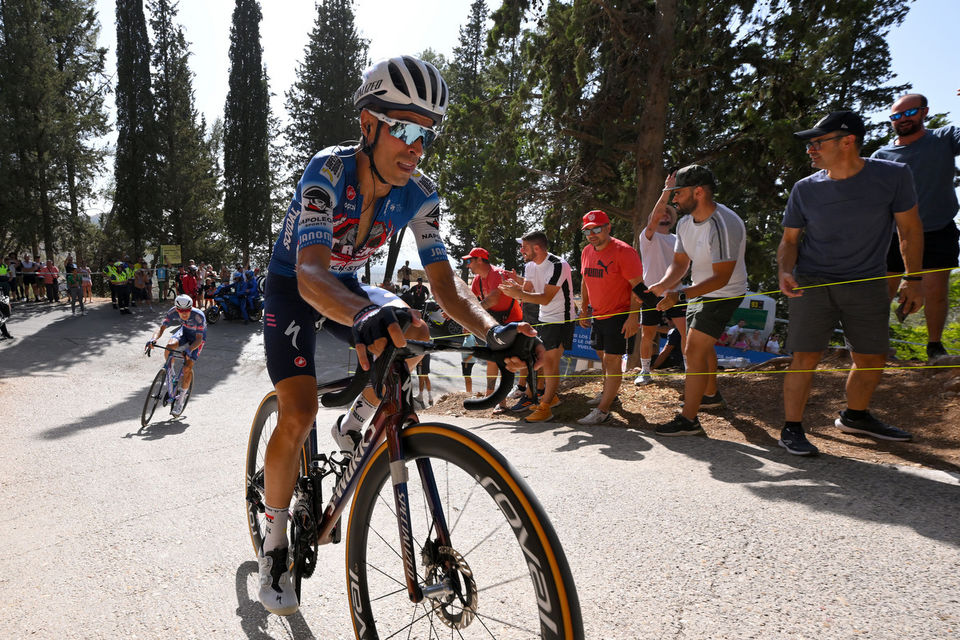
921, 399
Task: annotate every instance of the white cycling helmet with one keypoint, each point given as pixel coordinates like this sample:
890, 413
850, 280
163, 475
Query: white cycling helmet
183, 301
404, 83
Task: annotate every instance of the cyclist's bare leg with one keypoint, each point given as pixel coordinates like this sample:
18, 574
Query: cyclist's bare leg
186, 376
297, 409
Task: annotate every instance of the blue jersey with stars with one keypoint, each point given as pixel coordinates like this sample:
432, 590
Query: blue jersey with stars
326, 210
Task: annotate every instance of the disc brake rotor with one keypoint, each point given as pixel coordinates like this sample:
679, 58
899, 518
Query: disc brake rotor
458, 609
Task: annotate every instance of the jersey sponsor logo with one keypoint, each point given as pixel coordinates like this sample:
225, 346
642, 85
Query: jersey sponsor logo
429, 236
426, 184
333, 169
300, 361
288, 223
433, 218
314, 237
317, 198
351, 192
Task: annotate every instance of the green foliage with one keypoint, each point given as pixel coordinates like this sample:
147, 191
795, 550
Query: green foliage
247, 207
910, 338
320, 103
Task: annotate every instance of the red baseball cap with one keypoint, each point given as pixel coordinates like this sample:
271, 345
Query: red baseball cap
477, 252
594, 218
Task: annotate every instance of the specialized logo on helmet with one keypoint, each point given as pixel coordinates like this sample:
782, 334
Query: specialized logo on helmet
367, 88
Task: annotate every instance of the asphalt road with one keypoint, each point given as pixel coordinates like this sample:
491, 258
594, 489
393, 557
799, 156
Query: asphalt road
112, 531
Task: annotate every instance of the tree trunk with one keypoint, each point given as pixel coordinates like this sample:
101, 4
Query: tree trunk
46, 215
653, 127
392, 254
74, 211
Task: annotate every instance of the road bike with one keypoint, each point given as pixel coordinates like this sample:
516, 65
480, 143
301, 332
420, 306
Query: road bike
459, 548
165, 388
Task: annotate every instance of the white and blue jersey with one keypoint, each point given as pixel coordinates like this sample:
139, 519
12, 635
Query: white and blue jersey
326, 208
187, 332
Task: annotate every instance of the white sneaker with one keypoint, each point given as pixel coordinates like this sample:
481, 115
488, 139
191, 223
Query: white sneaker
277, 594
643, 378
595, 400
517, 393
594, 417
348, 441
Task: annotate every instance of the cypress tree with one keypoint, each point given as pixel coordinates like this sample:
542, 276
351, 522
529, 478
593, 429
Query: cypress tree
247, 206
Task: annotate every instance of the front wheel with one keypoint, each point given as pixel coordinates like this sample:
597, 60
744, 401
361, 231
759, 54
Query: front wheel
264, 424
153, 397
503, 574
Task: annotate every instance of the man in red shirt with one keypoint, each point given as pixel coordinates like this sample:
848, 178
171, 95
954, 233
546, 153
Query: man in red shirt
486, 286
611, 271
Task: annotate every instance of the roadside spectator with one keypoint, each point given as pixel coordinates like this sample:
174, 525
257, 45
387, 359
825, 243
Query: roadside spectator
671, 355
547, 282
86, 283
865, 197
466, 365
6, 278
189, 280
485, 285
656, 253
69, 264
225, 275
50, 274
930, 154
418, 295
139, 285
31, 281
6, 310
16, 278
733, 332
423, 382
162, 274
120, 275
755, 342
404, 274
74, 290
178, 279
209, 290
711, 240
773, 344
611, 272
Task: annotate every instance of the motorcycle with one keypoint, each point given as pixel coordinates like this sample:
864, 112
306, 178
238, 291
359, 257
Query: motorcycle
224, 307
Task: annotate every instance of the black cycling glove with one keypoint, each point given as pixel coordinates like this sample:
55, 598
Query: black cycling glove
371, 323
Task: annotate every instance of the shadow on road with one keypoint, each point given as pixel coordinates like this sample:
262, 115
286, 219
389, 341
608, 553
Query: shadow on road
254, 618
866, 491
161, 429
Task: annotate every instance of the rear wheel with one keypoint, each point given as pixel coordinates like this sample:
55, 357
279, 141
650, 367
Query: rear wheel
157, 389
264, 424
503, 573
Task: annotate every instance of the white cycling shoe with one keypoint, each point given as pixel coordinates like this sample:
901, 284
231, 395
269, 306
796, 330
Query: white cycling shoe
346, 442
277, 594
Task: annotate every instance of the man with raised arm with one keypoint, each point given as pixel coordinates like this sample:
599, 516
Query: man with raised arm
348, 203
831, 262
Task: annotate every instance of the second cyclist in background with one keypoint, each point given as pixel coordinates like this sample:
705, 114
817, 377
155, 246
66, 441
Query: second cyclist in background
188, 337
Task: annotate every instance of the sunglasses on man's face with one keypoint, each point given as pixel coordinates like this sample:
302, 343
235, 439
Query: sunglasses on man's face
593, 230
408, 132
467, 261
908, 113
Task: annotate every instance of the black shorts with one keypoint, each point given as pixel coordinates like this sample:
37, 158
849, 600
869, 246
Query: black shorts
467, 368
607, 335
289, 338
29, 278
555, 336
650, 317
940, 250
423, 367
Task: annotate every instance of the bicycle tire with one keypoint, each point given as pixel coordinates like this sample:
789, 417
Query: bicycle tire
264, 423
212, 314
153, 397
521, 583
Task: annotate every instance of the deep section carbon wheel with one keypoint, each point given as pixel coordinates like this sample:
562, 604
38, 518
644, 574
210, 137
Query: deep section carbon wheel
153, 397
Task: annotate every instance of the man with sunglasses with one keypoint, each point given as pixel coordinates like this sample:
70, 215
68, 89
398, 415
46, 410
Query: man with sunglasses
188, 337
832, 262
612, 272
711, 241
349, 203
930, 154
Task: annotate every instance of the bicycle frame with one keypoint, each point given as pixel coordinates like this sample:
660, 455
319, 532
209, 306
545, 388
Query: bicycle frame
394, 411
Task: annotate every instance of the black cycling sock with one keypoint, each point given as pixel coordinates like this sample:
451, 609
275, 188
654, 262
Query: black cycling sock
793, 426
856, 414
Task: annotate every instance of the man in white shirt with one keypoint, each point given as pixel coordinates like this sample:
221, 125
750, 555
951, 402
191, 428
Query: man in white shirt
656, 253
546, 281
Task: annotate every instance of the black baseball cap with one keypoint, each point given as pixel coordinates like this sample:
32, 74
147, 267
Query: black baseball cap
844, 121
695, 175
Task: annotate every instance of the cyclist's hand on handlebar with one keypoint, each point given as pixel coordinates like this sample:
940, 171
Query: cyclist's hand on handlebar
516, 334
372, 326
148, 347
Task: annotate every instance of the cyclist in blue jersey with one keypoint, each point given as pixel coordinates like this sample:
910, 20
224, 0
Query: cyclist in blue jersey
348, 203
188, 337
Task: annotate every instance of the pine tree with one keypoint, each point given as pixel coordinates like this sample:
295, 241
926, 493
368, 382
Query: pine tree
247, 207
187, 187
320, 103
135, 204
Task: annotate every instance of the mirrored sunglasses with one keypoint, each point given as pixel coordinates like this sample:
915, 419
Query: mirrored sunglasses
409, 132
909, 113
593, 230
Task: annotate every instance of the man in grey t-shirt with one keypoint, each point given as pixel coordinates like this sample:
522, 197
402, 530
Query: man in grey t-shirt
930, 155
832, 263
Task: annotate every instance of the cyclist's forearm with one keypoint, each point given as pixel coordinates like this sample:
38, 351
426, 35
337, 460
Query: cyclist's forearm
328, 295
